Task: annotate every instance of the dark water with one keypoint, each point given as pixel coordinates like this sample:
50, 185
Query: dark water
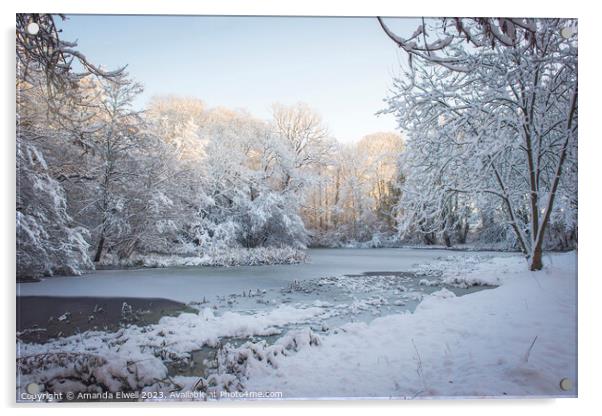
40, 318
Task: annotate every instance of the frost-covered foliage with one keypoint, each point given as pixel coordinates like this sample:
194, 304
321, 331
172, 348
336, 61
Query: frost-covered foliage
238, 256
490, 110
48, 242
258, 356
62, 372
352, 202
184, 188
48, 239
248, 183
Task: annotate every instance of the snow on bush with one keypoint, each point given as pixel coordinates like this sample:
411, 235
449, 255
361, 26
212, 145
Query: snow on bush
222, 257
259, 356
85, 372
234, 365
48, 242
135, 358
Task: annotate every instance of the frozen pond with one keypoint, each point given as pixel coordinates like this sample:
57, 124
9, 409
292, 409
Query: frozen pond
195, 283
352, 284
335, 287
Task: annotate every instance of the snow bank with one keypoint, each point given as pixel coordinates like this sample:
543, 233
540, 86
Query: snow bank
458, 270
518, 339
231, 257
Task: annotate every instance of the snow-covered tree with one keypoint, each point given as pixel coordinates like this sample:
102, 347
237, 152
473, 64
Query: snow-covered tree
245, 171
112, 163
177, 121
354, 196
380, 155
48, 239
46, 55
306, 140
490, 110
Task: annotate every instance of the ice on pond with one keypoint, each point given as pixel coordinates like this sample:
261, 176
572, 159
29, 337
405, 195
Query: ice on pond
188, 284
236, 305
350, 285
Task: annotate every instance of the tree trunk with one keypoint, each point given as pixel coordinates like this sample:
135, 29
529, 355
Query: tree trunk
463, 233
429, 239
101, 244
535, 262
447, 240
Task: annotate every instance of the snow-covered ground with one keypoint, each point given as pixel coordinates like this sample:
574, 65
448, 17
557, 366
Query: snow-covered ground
517, 339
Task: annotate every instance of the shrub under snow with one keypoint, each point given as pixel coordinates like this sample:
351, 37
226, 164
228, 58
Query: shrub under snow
230, 257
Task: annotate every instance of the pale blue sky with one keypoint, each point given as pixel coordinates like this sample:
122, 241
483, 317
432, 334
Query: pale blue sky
342, 67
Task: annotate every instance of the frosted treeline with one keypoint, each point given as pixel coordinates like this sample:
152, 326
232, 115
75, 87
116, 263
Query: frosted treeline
100, 182
178, 181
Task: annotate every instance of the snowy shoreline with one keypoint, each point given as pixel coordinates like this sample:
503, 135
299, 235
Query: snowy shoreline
258, 256
515, 340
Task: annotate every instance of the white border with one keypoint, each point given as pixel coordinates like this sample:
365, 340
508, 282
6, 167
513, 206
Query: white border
590, 180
